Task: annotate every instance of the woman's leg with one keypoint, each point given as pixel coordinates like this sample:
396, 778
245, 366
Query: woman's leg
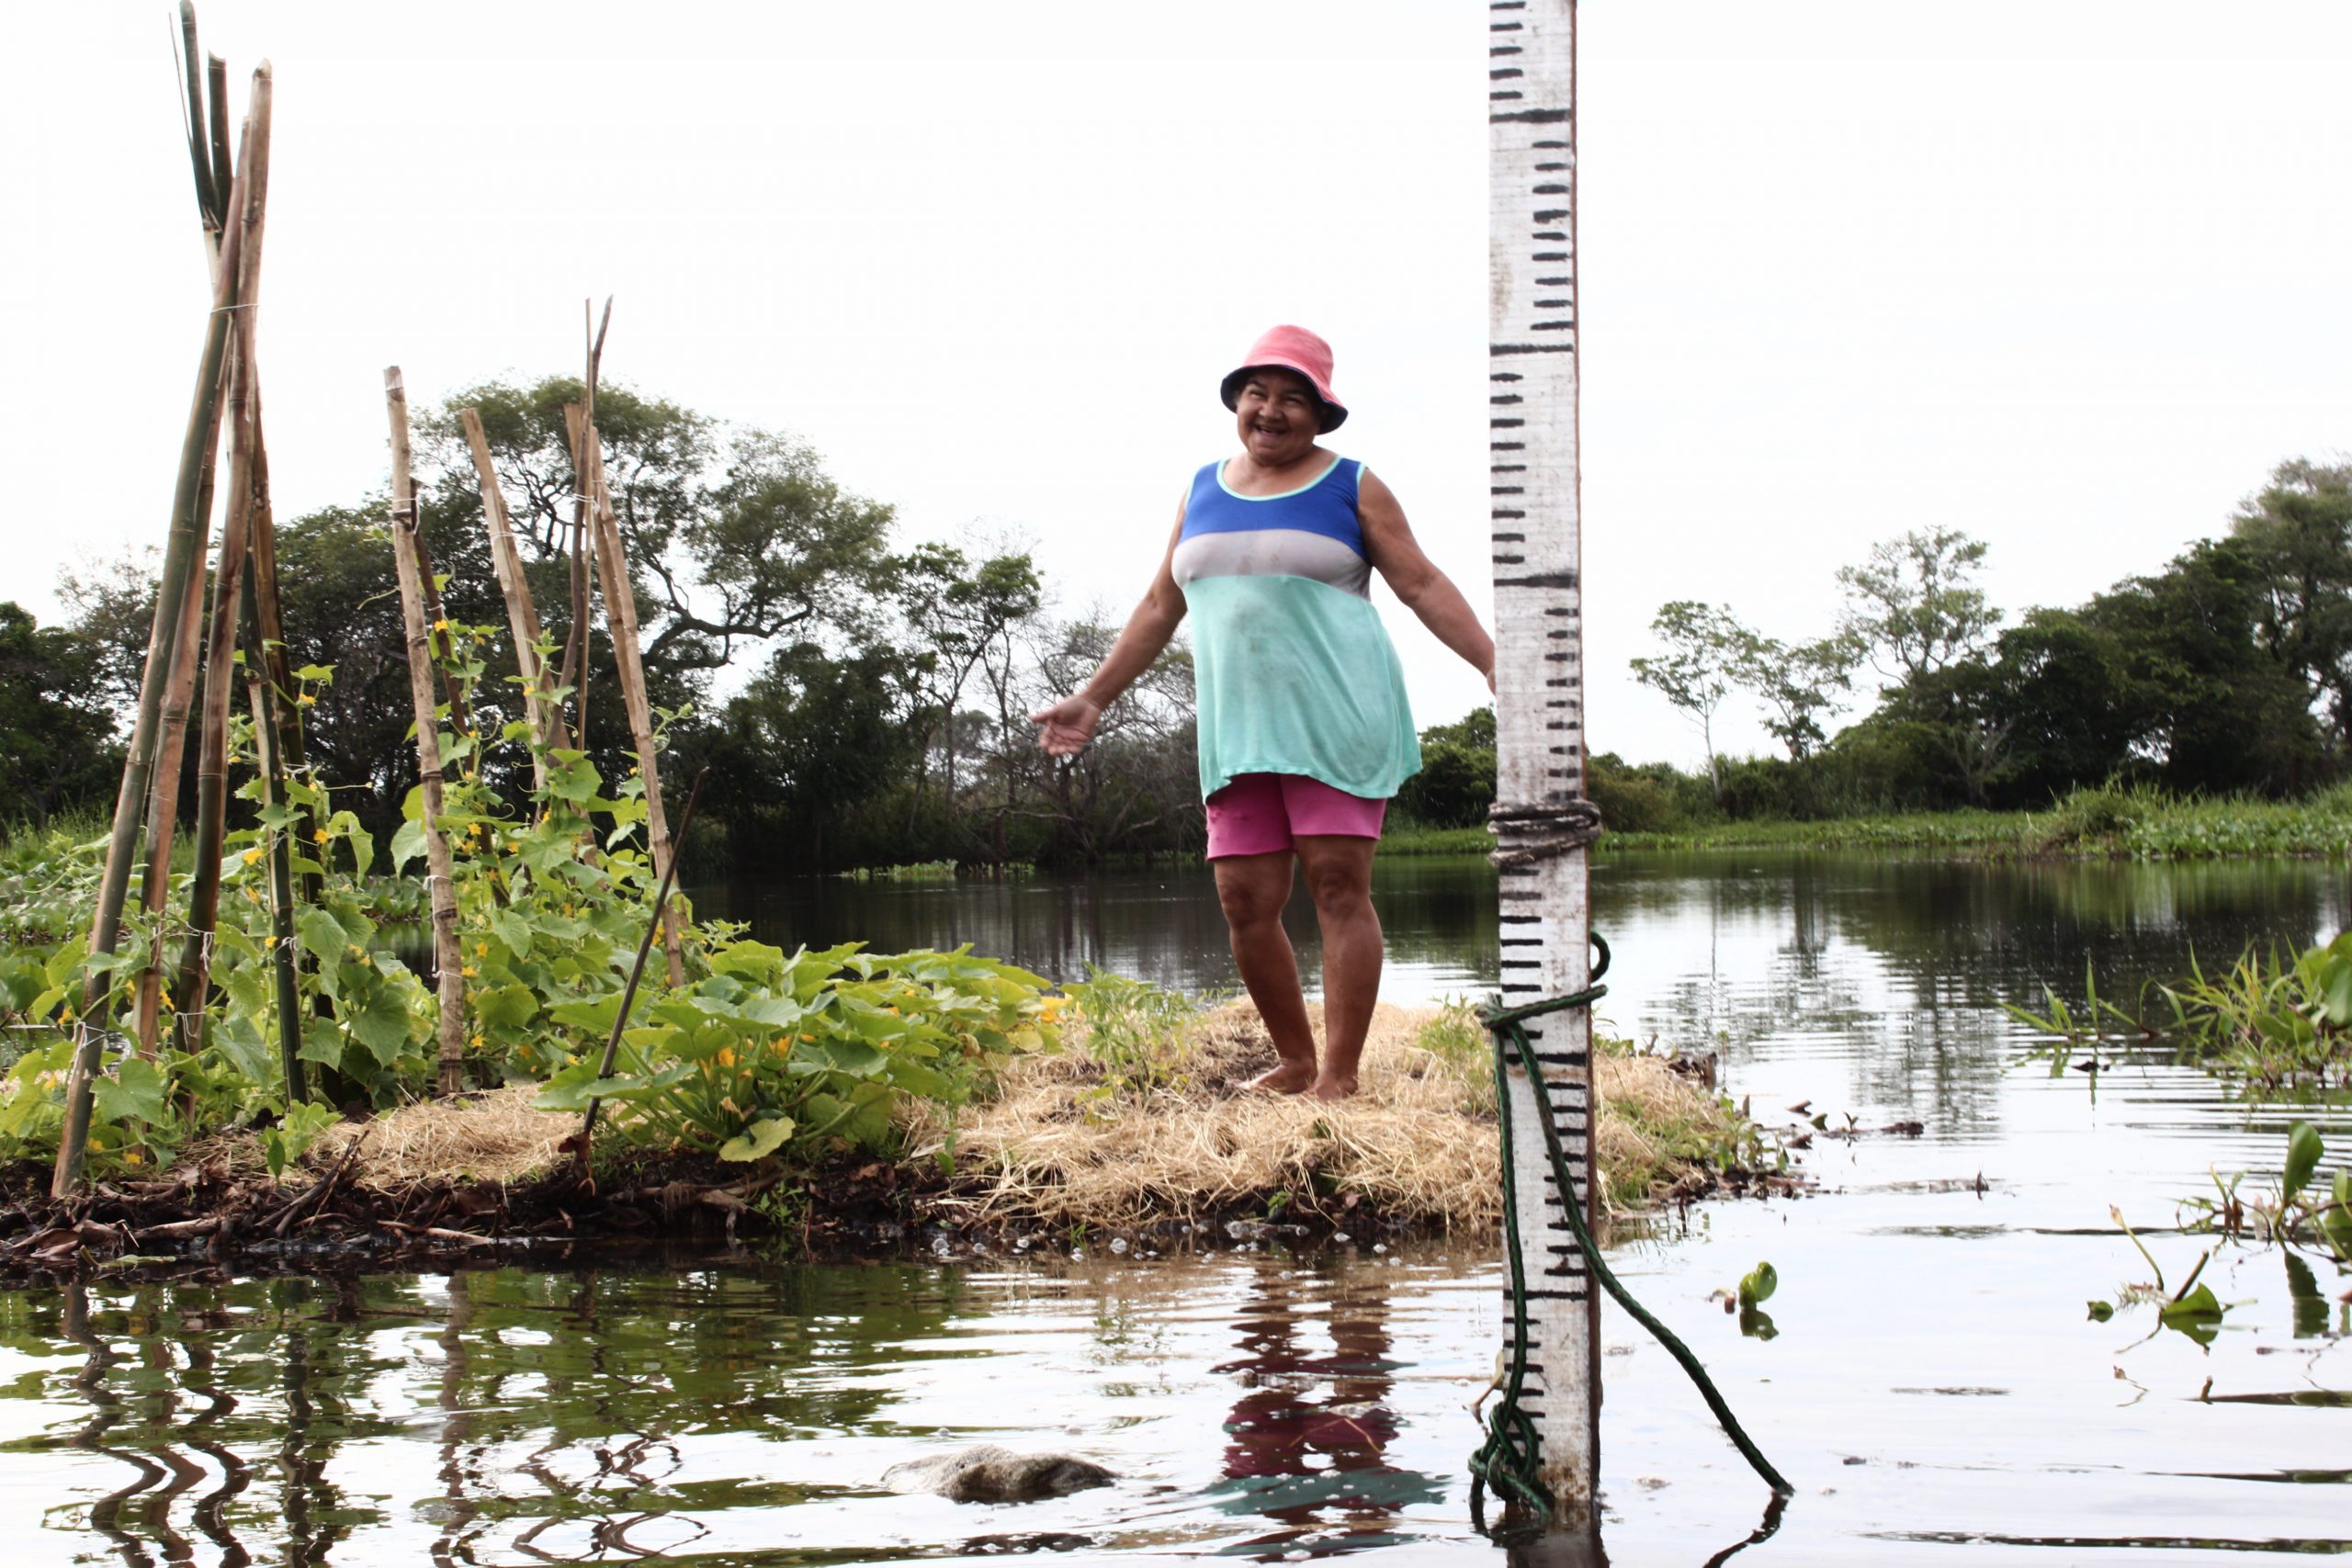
1252, 890
1338, 876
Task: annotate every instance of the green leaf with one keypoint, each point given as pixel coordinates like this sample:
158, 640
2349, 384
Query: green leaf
2335, 982
407, 845
65, 964
2198, 1315
134, 1093
508, 1006
381, 1023
759, 1140
851, 1057
2303, 1151
363, 848
918, 1079
322, 934
513, 929
1759, 1284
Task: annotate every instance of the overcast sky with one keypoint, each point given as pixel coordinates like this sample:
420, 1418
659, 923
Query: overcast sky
2068, 274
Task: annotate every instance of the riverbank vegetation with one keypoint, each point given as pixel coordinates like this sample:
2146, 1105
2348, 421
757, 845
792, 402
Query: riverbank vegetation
863, 702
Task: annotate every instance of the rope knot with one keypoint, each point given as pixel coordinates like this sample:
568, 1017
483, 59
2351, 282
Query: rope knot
1525, 834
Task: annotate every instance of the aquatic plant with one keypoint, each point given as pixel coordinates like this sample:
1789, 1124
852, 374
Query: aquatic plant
2301, 1211
2282, 1025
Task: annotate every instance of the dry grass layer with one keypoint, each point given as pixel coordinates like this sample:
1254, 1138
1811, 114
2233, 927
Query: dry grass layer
493, 1137
1068, 1142
1417, 1142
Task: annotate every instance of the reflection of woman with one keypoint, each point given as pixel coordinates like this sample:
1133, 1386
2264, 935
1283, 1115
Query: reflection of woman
1309, 1433
1304, 728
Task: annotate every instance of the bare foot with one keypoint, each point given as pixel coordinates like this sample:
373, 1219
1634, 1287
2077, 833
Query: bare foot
1329, 1085
1291, 1078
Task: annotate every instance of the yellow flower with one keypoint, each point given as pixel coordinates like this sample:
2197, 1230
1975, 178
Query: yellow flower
781, 1045
133, 1156
727, 1057
478, 1041
319, 835
808, 1037
469, 972
252, 855
269, 941
481, 949
306, 700
441, 625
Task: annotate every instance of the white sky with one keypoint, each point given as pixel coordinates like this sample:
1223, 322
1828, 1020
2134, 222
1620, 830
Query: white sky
2070, 274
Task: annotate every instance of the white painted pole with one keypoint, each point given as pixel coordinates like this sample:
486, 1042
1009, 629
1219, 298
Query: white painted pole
1532, 366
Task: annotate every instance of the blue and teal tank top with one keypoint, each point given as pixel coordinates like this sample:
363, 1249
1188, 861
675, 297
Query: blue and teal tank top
1295, 671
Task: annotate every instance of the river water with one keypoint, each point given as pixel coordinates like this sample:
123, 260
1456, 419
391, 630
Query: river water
1935, 1390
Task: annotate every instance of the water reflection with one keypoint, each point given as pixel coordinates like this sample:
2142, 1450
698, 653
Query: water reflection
1308, 1437
1894, 968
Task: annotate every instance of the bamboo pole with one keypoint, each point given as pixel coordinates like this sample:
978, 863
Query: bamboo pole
1537, 537
260, 694
620, 623
163, 795
575, 643
182, 542
209, 182
269, 634
439, 890
522, 616
228, 585
443, 642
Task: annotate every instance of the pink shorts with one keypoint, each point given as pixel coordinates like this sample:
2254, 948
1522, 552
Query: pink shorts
1258, 814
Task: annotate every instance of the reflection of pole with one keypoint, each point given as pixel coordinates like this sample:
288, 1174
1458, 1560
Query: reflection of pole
1540, 815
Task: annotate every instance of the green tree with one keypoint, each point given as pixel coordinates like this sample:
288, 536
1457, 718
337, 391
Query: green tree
57, 735
955, 611
1702, 647
1455, 787
1914, 606
2298, 534
1797, 683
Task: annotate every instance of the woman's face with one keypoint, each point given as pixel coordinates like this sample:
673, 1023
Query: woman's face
1279, 417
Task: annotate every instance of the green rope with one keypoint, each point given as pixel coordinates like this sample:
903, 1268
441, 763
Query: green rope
1510, 1459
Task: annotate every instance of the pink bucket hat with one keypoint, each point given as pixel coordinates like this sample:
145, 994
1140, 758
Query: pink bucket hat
1293, 348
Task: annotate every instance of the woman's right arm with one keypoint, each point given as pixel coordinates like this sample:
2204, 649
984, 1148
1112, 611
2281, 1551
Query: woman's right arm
1066, 725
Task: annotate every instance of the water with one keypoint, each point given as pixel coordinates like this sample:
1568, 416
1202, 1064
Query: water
1935, 1390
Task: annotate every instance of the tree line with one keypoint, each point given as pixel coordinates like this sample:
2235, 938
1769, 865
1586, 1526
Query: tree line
885, 720
884, 717
2228, 671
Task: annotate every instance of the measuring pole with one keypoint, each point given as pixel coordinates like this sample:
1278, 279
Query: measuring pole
1539, 681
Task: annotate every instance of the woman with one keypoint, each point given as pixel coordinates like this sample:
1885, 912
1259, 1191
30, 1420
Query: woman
1304, 728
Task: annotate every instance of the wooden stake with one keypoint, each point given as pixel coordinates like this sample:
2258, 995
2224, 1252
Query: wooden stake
440, 891
620, 621
522, 616
1531, 375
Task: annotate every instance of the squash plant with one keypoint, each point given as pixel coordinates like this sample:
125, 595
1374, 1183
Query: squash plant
774, 1052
